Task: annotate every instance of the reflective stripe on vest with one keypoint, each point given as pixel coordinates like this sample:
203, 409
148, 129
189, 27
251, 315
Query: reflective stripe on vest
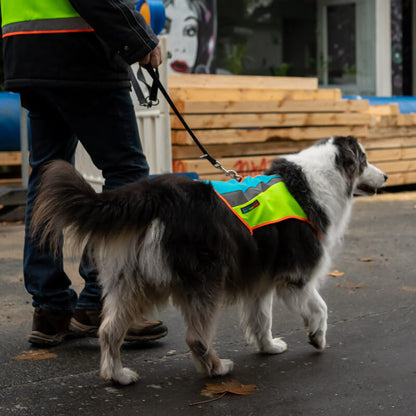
40, 16
259, 201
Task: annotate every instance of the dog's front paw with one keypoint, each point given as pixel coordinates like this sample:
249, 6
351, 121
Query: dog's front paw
224, 368
275, 346
125, 376
318, 340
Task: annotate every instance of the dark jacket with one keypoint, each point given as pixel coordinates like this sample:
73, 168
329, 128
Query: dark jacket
90, 59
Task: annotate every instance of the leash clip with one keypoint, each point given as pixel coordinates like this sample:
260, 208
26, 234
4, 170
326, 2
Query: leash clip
149, 103
231, 173
218, 165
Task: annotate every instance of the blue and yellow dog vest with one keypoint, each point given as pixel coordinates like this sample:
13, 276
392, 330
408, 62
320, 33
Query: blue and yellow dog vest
259, 201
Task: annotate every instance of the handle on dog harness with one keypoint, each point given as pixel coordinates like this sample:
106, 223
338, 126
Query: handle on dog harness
153, 97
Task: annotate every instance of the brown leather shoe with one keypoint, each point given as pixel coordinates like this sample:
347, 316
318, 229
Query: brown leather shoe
85, 323
48, 328
146, 331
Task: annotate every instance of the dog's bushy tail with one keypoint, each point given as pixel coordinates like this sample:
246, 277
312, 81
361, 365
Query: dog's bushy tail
66, 201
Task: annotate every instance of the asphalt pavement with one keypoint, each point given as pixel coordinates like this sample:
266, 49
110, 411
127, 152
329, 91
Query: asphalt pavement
368, 369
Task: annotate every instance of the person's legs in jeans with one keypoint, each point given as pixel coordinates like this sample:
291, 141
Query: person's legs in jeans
105, 123
51, 138
44, 276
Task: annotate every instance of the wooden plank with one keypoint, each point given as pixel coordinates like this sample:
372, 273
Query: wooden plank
229, 136
398, 166
377, 154
389, 143
214, 177
10, 158
10, 181
384, 110
209, 121
384, 132
383, 121
406, 120
399, 162
243, 165
241, 94
241, 149
400, 153
240, 81
400, 120
401, 178
298, 106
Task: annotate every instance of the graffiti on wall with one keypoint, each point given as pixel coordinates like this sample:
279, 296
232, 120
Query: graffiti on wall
191, 30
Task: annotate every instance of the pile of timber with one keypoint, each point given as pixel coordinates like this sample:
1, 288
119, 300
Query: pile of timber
391, 143
246, 121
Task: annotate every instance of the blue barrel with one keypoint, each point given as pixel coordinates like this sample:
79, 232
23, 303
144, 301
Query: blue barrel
9, 122
154, 13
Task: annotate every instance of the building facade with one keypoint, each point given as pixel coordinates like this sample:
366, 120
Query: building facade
364, 47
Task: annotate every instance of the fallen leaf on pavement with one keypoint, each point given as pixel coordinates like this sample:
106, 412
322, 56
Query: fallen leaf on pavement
336, 273
351, 286
232, 386
35, 355
221, 389
366, 259
408, 288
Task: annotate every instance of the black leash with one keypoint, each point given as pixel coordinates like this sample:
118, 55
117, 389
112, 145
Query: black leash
149, 101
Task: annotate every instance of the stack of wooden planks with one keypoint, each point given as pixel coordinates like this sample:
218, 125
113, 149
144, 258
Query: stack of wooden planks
391, 143
246, 121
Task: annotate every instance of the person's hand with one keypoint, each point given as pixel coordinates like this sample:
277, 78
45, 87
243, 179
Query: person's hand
154, 57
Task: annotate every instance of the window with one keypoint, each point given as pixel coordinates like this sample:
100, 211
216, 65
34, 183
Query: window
341, 53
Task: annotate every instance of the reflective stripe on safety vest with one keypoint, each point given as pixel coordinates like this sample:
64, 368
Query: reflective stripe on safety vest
21, 17
70, 24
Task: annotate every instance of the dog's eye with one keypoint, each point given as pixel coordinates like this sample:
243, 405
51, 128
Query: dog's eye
364, 159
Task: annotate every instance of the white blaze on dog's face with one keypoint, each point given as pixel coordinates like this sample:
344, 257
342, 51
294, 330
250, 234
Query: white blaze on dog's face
353, 172
361, 177
371, 179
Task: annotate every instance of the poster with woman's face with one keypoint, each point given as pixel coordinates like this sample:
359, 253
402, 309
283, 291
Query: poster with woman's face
191, 27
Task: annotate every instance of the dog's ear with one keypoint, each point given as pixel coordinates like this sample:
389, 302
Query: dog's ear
347, 157
351, 142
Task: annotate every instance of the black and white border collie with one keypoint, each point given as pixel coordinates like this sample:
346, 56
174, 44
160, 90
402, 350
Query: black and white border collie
172, 237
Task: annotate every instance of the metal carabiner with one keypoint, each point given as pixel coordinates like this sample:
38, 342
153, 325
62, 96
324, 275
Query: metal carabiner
229, 172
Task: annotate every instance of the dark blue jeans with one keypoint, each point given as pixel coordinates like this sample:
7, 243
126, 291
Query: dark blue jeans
104, 122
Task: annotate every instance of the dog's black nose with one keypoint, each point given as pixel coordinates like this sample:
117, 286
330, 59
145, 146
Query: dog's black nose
385, 177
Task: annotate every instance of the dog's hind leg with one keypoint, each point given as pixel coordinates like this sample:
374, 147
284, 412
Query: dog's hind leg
256, 316
313, 310
200, 319
116, 320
